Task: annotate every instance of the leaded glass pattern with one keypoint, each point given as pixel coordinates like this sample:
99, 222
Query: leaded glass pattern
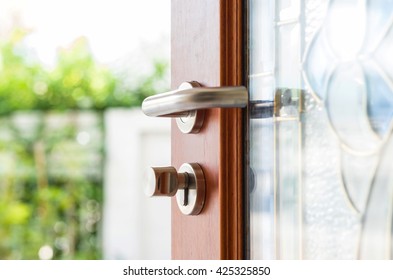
324, 184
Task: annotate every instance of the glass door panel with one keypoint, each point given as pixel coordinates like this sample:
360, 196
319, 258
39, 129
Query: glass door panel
322, 162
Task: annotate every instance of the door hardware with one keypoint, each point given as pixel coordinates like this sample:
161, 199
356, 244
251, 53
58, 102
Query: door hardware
188, 185
186, 103
261, 109
287, 101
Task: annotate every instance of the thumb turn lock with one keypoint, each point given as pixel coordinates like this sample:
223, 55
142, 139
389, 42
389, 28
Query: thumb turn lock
188, 184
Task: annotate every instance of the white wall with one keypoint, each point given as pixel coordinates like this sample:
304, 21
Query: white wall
134, 226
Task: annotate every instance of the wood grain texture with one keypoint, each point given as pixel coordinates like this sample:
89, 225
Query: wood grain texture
195, 54
231, 134
201, 32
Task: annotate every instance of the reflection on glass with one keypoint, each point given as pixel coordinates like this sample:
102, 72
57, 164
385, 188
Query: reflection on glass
323, 188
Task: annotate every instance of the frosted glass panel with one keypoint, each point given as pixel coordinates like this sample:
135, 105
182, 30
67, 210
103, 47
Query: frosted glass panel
322, 164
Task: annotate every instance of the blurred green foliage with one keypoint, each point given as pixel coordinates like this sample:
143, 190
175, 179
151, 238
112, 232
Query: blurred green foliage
76, 82
50, 186
51, 182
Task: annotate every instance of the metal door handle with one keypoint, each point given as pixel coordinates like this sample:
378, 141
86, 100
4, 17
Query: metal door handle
191, 96
186, 103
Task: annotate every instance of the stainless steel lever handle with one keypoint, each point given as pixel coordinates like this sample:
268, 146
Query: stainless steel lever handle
187, 102
191, 96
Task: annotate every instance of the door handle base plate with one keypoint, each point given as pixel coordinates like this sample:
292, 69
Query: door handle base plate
193, 121
194, 195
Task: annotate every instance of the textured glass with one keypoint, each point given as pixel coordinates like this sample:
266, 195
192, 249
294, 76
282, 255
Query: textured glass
262, 193
322, 163
262, 85
287, 175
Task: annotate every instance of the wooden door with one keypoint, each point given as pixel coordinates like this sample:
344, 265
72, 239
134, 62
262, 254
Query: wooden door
207, 47
323, 159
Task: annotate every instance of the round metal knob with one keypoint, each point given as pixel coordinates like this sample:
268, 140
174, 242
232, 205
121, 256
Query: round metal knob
188, 185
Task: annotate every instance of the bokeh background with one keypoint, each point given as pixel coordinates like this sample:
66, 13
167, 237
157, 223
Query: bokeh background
74, 144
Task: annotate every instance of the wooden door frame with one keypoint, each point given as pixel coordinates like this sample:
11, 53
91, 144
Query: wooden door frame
232, 137
207, 46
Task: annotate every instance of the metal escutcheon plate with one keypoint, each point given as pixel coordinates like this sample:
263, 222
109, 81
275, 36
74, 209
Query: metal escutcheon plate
196, 190
192, 123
